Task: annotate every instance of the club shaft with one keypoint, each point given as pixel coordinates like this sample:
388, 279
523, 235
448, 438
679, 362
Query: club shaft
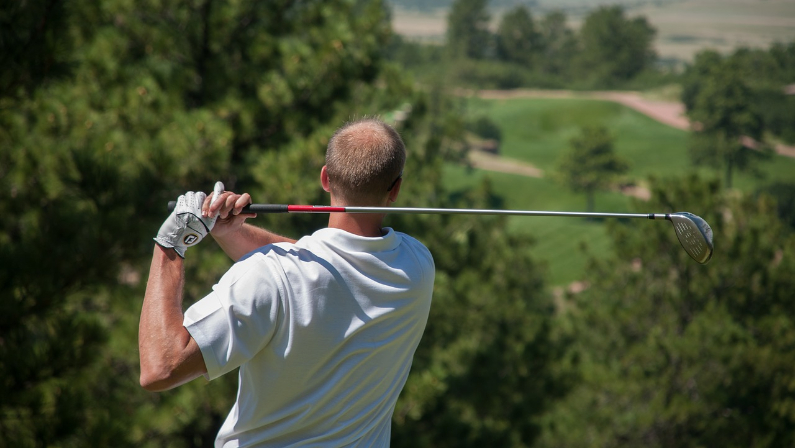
468, 211
473, 211
283, 208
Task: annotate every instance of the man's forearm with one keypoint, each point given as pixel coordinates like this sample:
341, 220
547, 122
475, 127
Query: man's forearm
247, 239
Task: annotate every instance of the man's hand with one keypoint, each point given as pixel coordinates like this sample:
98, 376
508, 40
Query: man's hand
227, 209
186, 226
235, 238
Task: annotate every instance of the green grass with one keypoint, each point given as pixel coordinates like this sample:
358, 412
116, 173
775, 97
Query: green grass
538, 131
558, 242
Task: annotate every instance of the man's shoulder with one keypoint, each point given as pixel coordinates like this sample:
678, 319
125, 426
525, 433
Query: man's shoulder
420, 251
413, 242
270, 254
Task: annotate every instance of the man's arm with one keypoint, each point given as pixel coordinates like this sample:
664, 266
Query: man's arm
169, 355
234, 236
245, 239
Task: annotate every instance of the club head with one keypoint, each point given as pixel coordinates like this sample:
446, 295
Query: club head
694, 234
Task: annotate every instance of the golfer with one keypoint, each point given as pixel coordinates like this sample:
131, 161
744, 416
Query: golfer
323, 329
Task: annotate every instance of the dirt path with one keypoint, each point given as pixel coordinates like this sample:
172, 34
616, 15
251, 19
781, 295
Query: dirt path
670, 113
493, 162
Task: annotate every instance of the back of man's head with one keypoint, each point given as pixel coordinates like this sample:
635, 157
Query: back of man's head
364, 158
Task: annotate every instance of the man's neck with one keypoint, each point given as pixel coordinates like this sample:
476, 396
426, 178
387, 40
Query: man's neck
364, 224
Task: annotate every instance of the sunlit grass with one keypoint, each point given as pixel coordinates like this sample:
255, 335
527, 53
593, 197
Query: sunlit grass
538, 131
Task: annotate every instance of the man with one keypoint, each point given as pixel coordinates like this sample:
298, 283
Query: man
323, 329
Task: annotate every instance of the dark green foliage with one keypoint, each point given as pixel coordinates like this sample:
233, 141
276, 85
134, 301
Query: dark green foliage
768, 73
784, 195
34, 45
706, 62
413, 55
610, 51
721, 104
784, 57
468, 35
489, 74
141, 101
671, 353
109, 109
765, 75
776, 112
559, 44
482, 373
155, 99
592, 164
484, 127
517, 39
614, 48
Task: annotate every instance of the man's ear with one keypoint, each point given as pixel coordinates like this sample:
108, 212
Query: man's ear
393, 193
324, 181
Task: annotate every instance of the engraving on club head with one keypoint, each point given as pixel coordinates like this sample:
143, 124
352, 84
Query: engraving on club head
690, 241
694, 234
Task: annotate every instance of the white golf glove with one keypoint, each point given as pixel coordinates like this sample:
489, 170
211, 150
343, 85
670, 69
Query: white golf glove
185, 227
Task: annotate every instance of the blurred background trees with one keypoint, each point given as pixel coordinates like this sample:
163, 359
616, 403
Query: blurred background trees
727, 126
468, 35
517, 38
613, 47
591, 164
108, 110
609, 49
669, 354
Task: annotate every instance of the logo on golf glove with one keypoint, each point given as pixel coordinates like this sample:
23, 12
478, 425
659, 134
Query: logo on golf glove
185, 226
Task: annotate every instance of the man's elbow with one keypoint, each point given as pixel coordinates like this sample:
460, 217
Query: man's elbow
167, 369
158, 379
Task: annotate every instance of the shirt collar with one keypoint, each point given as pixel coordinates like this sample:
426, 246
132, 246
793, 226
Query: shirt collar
350, 242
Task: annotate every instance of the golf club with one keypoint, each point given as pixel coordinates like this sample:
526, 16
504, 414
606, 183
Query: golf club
694, 234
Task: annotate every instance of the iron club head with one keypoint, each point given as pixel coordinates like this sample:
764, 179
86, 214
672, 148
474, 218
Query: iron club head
694, 234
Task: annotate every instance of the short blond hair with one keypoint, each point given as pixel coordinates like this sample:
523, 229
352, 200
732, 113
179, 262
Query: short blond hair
364, 159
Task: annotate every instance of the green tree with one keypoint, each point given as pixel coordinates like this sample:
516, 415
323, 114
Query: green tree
517, 38
670, 353
35, 46
153, 98
558, 43
614, 48
592, 164
482, 374
728, 128
768, 72
704, 63
116, 108
784, 57
784, 195
468, 34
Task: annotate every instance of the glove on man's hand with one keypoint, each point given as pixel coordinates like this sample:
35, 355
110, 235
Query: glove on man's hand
185, 226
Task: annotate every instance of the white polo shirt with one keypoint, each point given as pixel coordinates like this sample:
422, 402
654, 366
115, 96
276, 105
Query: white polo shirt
324, 332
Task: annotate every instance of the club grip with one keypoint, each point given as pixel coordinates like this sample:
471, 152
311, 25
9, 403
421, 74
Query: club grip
251, 208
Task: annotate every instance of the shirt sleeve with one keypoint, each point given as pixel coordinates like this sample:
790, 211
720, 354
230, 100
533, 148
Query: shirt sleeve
238, 318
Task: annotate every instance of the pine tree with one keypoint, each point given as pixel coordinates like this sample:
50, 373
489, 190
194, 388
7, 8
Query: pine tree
591, 165
468, 35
